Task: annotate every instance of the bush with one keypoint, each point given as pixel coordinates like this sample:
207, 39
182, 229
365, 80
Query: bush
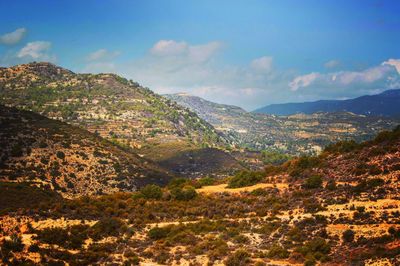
157, 233
348, 235
56, 235
315, 249
331, 185
14, 244
278, 252
298, 166
239, 258
71, 237
107, 227
206, 181
342, 146
185, 193
60, 155
245, 178
151, 192
177, 183
314, 181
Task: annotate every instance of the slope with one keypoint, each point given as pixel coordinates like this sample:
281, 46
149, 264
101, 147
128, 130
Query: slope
67, 159
107, 104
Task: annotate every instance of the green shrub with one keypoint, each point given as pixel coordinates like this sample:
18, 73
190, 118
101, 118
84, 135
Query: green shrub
60, 155
151, 192
107, 227
177, 183
185, 193
245, 178
206, 181
299, 165
157, 233
342, 146
315, 249
314, 181
240, 258
278, 252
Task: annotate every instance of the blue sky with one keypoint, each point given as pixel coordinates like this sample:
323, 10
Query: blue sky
249, 53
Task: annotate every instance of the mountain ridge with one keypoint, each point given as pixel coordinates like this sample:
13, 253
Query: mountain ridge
383, 104
113, 107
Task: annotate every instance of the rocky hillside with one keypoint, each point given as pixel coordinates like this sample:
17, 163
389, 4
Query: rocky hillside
291, 134
339, 208
72, 161
105, 104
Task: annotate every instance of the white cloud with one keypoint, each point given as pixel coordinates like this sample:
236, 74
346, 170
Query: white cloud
174, 66
169, 48
102, 55
262, 64
36, 50
332, 64
303, 81
13, 37
191, 53
202, 53
348, 83
393, 62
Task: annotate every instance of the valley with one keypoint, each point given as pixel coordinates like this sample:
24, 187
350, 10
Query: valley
294, 134
339, 208
97, 170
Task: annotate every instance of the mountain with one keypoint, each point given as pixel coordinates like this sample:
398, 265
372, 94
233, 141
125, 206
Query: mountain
384, 104
293, 134
72, 161
116, 109
339, 208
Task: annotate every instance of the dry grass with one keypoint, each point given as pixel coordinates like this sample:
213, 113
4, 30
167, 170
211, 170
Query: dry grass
223, 188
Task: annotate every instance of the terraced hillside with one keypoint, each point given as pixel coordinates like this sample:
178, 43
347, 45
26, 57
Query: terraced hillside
67, 159
106, 104
293, 134
339, 208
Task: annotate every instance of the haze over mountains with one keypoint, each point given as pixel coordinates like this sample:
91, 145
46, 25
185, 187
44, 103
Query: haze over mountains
384, 104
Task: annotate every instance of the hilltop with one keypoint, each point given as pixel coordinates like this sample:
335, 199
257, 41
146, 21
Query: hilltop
383, 104
116, 109
71, 161
295, 134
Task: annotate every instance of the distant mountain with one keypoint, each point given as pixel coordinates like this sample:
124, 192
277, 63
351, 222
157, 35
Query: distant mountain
293, 134
386, 103
68, 159
214, 113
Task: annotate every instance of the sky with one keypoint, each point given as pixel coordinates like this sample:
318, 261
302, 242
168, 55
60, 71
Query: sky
248, 53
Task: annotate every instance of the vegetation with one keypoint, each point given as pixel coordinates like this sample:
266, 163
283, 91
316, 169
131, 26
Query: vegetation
245, 178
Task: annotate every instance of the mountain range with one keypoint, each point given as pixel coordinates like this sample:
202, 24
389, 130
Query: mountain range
293, 134
384, 104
